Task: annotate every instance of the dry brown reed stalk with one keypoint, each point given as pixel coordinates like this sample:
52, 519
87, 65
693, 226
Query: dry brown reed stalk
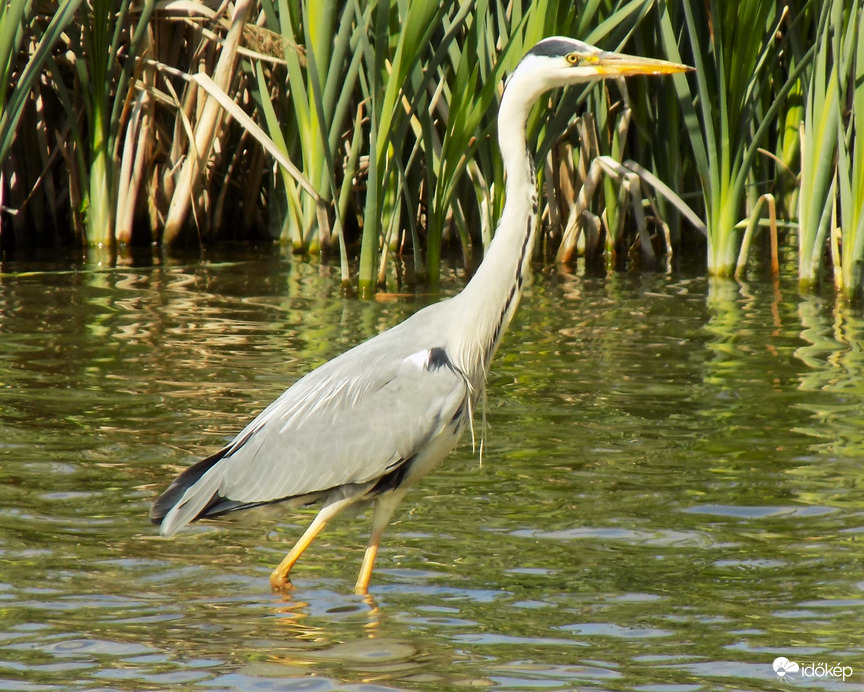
206, 128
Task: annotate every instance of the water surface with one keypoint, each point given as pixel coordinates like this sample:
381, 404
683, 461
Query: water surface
671, 492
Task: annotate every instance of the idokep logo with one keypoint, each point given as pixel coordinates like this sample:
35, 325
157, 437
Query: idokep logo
785, 669
783, 666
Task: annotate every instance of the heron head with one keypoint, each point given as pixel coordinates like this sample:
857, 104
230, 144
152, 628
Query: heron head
558, 61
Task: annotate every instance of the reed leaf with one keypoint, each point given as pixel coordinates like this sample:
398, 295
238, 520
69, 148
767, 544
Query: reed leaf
732, 118
388, 81
11, 37
849, 276
818, 149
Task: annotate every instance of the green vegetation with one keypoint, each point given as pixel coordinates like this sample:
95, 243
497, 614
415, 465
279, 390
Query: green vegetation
729, 108
132, 123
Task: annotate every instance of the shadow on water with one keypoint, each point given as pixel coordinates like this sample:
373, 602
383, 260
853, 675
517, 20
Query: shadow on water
671, 493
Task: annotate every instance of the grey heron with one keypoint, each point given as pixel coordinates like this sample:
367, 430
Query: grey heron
370, 423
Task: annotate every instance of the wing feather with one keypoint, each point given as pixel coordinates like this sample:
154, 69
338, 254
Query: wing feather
349, 422
343, 429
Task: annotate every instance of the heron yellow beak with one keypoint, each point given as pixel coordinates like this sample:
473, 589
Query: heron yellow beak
621, 65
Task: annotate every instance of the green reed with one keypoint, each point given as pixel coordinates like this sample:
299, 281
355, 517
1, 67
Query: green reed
163, 124
21, 68
732, 108
849, 260
819, 131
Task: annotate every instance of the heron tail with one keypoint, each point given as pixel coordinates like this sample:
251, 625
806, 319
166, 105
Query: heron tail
189, 497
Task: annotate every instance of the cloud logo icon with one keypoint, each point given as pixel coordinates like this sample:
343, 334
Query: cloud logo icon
783, 665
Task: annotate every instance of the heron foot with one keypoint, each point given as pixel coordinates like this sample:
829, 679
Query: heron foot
279, 580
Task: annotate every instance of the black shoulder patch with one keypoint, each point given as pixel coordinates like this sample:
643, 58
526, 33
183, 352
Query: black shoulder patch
552, 47
392, 479
438, 359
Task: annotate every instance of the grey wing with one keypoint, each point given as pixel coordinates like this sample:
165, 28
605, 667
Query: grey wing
334, 427
348, 430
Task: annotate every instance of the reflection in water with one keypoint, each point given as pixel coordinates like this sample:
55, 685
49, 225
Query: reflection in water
670, 496
311, 642
835, 359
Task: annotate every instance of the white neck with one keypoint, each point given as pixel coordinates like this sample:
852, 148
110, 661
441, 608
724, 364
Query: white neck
488, 302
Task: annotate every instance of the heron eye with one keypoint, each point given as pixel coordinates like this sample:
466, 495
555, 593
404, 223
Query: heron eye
573, 58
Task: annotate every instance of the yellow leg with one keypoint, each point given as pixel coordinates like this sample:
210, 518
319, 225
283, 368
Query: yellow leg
279, 576
384, 507
362, 585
